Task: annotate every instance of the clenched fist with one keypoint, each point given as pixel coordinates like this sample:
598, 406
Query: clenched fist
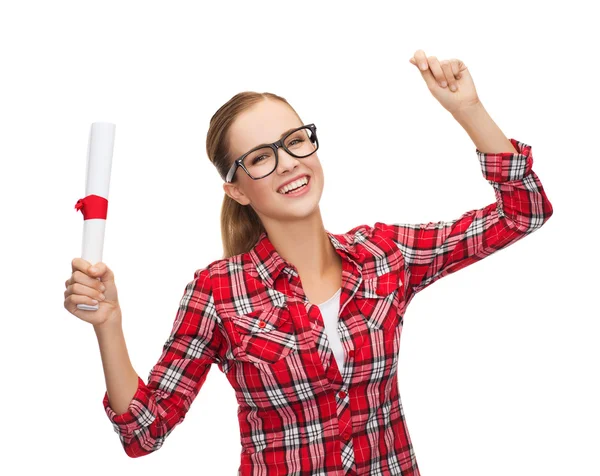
92, 285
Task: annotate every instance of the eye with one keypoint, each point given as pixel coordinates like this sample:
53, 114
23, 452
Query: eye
256, 159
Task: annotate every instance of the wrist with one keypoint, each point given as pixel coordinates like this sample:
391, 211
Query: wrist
111, 324
468, 112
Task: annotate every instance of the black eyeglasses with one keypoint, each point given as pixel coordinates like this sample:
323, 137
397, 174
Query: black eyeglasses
263, 159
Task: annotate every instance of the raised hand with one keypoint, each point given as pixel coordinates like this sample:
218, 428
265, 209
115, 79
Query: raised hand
449, 81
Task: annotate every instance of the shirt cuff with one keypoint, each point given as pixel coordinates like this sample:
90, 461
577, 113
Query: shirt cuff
506, 166
141, 412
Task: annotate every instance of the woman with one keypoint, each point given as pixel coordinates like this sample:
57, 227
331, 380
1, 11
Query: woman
304, 323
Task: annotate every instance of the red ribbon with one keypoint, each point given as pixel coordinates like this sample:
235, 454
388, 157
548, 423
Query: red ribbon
92, 206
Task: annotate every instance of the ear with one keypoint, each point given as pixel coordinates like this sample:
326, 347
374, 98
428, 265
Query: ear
235, 193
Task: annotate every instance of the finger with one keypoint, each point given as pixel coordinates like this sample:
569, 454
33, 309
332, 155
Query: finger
449, 75
436, 69
83, 290
79, 277
421, 60
79, 264
74, 299
100, 271
84, 266
414, 61
429, 79
455, 63
78, 288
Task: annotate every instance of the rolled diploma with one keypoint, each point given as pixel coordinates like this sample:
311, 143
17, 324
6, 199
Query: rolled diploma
99, 163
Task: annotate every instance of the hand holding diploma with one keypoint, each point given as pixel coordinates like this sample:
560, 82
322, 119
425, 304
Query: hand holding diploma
94, 287
94, 206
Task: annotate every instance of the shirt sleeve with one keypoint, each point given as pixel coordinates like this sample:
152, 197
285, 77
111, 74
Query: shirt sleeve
435, 249
175, 380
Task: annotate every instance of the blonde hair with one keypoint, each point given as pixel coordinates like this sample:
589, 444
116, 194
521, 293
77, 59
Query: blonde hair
240, 225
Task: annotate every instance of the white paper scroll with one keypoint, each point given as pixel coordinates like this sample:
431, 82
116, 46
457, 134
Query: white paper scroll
99, 162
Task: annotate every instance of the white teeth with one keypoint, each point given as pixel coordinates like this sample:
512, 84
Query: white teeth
293, 190
293, 185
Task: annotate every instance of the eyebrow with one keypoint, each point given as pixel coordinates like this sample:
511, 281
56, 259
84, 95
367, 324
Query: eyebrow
280, 137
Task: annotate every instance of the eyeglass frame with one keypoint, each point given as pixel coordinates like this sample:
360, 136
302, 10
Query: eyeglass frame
275, 145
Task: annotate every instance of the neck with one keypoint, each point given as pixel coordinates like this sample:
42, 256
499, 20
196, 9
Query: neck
305, 244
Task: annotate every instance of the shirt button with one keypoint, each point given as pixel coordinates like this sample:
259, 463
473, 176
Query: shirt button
342, 394
351, 354
346, 435
261, 324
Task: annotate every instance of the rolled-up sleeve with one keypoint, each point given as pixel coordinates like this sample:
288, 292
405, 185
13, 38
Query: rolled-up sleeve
158, 406
433, 250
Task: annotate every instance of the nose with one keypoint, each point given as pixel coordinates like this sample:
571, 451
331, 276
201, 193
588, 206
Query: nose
286, 161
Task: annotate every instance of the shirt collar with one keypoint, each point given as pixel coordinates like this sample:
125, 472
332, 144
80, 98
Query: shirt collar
268, 264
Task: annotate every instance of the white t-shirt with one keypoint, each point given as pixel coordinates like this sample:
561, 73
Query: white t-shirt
330, 310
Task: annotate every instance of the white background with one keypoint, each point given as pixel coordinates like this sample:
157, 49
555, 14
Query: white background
498, 363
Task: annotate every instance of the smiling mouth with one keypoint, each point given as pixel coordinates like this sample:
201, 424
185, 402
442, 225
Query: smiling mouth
297, 189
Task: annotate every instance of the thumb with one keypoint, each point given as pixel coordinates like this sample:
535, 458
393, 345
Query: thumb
100, 270
464, 71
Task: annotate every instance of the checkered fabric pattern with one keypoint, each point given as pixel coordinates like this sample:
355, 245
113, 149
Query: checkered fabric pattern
298, 414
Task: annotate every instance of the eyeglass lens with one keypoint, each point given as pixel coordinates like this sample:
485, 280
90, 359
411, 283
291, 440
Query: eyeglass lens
261, 162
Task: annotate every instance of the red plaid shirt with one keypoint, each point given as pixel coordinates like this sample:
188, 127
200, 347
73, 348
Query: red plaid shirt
298, 414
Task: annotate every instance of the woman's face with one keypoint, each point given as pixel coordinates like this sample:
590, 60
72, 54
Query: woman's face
263, 124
